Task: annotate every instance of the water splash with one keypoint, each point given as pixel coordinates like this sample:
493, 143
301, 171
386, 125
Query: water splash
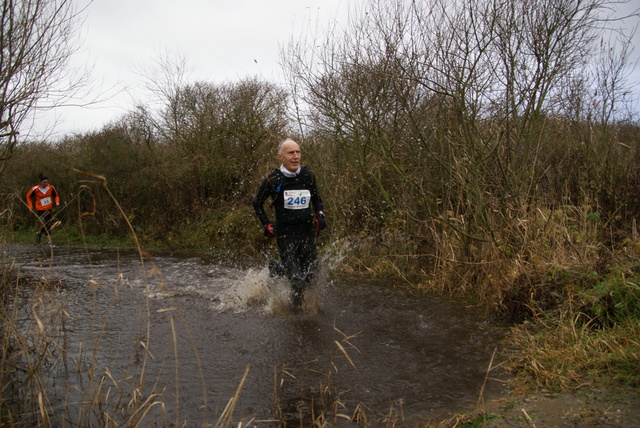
257, 289
241, 290
254, 289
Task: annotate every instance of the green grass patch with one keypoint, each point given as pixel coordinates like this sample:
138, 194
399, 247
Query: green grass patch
592, 340
481, 420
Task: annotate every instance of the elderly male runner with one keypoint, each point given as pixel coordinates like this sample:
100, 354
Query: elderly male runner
293, 192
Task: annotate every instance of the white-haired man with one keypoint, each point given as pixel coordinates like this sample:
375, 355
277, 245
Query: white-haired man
299, 216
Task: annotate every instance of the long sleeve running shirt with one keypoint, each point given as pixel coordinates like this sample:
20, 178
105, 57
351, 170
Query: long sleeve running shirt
41, 199
292, 199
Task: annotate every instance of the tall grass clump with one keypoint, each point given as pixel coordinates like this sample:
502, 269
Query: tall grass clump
47, 378
588, 337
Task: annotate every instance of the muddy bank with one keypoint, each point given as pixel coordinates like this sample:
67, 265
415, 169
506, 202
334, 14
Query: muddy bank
588, 409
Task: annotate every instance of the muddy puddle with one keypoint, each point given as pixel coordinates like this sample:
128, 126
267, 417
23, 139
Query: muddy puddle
198, 334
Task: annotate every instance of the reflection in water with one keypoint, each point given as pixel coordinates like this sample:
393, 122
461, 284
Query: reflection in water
360, 350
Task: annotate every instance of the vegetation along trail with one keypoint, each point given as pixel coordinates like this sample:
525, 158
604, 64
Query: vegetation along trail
464, 149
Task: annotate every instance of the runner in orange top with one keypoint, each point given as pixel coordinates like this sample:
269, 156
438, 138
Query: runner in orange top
44, 198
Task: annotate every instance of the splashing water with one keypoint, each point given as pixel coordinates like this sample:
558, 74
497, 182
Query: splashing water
258, 289
239, 290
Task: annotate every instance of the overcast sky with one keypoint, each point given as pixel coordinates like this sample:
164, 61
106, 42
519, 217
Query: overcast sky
222, 40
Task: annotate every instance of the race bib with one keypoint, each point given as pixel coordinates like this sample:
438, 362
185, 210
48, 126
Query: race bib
45, 201
297, 199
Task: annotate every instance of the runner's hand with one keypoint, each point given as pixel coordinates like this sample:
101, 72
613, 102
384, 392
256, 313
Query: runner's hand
320, 224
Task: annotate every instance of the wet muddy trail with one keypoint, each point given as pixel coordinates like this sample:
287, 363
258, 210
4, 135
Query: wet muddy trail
191, 329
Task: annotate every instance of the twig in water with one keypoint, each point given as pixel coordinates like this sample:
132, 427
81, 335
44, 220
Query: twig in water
528, 419
484, 383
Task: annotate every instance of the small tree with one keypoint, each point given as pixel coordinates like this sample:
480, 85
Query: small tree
36, 43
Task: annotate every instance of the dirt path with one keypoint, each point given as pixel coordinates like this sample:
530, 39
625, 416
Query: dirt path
595, 408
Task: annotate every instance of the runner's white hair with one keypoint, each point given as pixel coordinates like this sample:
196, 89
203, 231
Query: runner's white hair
282, 143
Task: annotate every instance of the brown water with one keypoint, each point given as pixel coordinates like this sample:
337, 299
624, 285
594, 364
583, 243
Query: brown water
396, 354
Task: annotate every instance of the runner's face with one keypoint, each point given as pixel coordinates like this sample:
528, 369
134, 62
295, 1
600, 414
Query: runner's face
290, 156
44, 183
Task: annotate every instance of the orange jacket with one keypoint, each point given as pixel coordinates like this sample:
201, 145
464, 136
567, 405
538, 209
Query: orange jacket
43, 200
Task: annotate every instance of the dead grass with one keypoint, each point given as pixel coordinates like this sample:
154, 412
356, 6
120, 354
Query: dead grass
565, 354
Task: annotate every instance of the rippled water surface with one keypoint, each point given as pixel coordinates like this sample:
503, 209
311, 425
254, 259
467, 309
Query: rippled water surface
194, 328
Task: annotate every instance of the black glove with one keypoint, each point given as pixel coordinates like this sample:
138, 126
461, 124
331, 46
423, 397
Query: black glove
320, 223
269, 231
